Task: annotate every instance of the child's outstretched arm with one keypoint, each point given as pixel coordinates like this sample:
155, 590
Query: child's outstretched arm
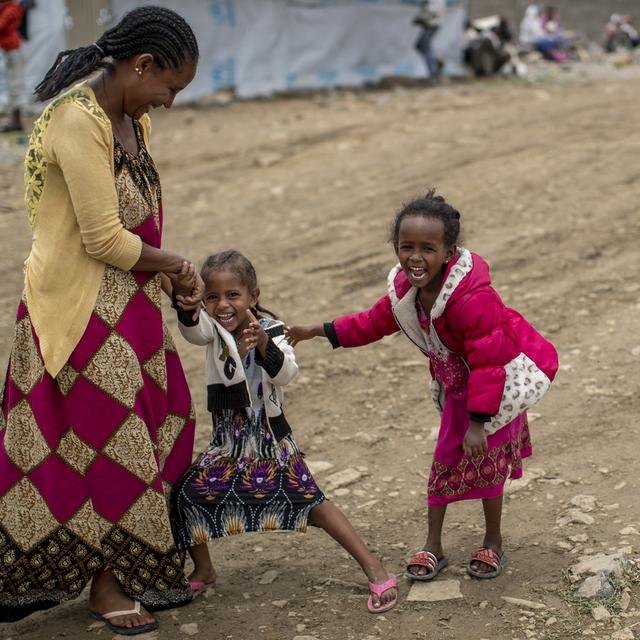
274, 355
196, 327
352, 330
299, 333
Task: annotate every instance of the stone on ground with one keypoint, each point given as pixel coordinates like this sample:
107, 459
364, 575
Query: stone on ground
189, 629
342, 478
318, 466
600, 613
527, 604
612, 564
268, 577
623, 634
434, 591
596, 587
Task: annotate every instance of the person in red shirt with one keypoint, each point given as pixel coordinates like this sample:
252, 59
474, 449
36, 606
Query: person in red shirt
11, 13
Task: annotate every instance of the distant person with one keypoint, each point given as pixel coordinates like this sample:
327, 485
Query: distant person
486, 45
535, 34
614, 36
11, 15
488, 366
630, 31
429, 20
550, 19
252, 477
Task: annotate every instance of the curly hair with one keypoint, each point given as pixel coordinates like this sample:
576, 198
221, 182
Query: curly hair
429, 206
234, 261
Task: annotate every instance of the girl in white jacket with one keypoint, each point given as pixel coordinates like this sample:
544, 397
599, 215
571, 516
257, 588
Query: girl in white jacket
252, 476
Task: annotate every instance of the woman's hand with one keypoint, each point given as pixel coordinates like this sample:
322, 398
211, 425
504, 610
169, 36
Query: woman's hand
253, 336
475, 440
307, 332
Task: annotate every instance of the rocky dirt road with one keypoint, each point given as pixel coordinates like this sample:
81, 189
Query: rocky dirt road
548, 181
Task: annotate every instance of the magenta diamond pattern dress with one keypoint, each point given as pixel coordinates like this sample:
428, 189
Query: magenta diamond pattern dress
87, 459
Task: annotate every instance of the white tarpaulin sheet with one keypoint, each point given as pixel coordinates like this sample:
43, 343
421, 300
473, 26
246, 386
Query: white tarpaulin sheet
263, 46
46, 40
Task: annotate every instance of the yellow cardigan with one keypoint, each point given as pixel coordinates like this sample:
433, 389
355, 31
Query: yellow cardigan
73, 211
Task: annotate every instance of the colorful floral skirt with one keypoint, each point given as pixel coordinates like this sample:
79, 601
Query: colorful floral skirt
87, 458
454, 476
223, 496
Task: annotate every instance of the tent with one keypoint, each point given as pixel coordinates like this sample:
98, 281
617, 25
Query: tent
260, 47
264, 46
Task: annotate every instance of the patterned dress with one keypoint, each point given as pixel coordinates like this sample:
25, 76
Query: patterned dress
87, 458
244, 481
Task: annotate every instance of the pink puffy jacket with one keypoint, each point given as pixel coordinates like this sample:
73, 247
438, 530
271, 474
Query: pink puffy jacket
470, 319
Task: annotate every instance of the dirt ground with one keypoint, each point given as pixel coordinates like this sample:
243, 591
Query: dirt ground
548, 181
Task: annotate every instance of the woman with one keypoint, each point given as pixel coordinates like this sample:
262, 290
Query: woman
534, 34
429, 20
96, 420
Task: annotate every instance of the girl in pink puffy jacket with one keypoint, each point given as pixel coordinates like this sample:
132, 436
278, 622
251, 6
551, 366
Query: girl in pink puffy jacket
488, 366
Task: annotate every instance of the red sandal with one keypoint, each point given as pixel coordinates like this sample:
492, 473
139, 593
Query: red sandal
429, 561
491, 559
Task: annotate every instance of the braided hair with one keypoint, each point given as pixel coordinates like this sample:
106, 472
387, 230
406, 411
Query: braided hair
155, 30
234, 261
430, 206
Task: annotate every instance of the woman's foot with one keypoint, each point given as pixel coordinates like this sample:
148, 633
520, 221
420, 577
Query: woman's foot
377, 575
107, 596
419, 570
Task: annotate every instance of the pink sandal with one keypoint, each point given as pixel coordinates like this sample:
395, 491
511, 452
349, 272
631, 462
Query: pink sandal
198, 587
378, 590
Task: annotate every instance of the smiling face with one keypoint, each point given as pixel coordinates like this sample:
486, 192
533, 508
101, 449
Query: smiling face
227, 298
422, 251
149, 86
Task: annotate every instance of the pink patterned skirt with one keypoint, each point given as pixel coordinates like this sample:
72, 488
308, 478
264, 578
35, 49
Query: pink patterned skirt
454, 476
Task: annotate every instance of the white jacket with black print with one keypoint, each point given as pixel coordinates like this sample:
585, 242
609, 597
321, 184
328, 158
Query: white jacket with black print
225, 377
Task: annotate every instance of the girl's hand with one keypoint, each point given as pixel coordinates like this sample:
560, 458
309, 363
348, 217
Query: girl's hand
475, 440
185, 281
192, 301
298, 334
254, 336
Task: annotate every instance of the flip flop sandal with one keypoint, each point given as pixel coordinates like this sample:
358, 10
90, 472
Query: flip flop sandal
429, 561
125, 631
490, 558
198, 587
378, 590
